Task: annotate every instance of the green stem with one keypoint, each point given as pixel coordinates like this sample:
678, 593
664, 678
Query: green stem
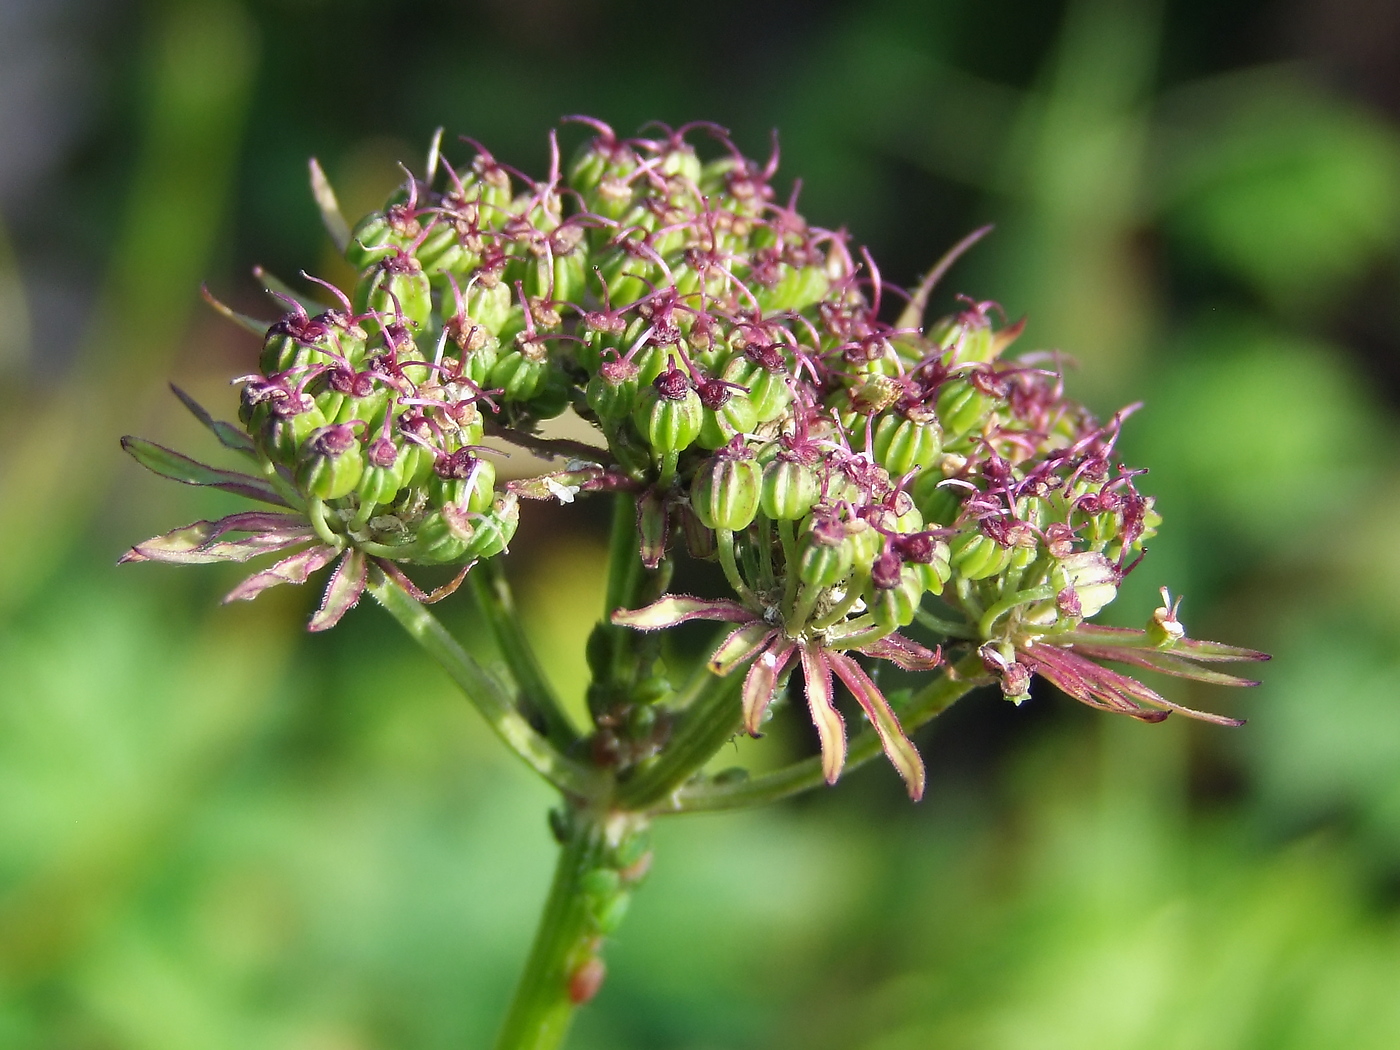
765, 549
1000, 608
841, 608
929, 702
806, 602
625, 567
788, 538
724, 545
630, 585
947, 628
497, 604
708, 722
557, 974
488, 695
316, 512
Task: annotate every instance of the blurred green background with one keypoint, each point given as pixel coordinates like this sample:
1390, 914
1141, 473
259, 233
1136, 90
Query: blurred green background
217, 831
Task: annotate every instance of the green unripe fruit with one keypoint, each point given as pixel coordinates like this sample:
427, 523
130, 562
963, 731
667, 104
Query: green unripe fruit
489, 305
962, 408
608, 916
464, 481
824, 566
417, 464
382, 476
668, 413
477, 349
763, 372
641, 721
826, 553
968, 334
699, 540
438, 542
938, 503
291, 342
442, 251
1093, 579
893, 593
289, 423
351, 396
605, 898
651, 361
634, 846
726, 414
380, 234
978, 557
395, 285
612, 393
297, 340
553, 397
520, 374
871, 394
454, 535
557, 277
865, 542
790, 489
904, 442
682, 161
797, 288
927, 558
726, 490
493, 530
330, 463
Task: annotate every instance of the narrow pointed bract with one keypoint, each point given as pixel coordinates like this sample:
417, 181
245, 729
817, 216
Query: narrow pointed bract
831, 727
898, 747
347, 584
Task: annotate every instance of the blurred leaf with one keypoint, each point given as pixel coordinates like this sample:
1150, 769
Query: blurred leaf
1257, 431
1295, 191
200, 67
1329, 738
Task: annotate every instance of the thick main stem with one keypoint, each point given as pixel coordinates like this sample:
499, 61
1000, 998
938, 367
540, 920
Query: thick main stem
563, 969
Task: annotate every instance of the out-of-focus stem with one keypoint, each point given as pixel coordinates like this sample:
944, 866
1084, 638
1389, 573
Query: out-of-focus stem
489, 696
497, 604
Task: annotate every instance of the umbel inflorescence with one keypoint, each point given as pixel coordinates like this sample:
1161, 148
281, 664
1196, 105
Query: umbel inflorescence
849, 468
